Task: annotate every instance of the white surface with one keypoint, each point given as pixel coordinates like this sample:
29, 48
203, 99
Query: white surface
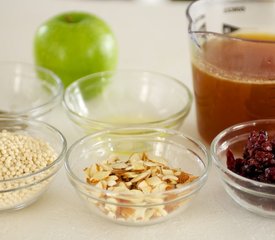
150, 37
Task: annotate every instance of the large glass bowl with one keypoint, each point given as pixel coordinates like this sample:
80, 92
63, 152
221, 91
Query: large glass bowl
257, 197
148, 208
19, 192
127, 98
27, 90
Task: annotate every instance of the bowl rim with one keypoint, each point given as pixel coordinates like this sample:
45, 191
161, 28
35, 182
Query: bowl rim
38, 123
41, 108
172, 118
200, 181
219, 165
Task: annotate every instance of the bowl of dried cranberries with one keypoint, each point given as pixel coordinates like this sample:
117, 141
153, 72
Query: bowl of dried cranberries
244, 155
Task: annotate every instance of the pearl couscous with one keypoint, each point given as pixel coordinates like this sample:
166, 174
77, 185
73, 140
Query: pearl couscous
21, 157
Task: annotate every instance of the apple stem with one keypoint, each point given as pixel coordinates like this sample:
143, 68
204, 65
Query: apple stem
69, 19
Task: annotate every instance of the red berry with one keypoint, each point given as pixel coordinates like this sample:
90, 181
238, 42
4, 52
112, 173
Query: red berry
258, 162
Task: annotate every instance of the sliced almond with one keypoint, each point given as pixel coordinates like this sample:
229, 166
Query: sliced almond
119, 165
150, 164
141, 176
112, 158
91, 170
137, 176
138, 166
130, 174
168, 172
134, 157
160, 188
136, 191
154, 181
128, 184
101, 175
170, 177
111, 183
144, 187
183, 177
118, 172
125, 212
106, 167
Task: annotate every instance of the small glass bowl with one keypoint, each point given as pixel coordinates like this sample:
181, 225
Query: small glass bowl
254, 196
127, 98
180, 152
19, 192
27, 90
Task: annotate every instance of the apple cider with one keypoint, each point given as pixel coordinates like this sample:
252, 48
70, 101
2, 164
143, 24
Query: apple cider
234, 81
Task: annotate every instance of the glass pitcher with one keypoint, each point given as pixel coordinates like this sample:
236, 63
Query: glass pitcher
233, 62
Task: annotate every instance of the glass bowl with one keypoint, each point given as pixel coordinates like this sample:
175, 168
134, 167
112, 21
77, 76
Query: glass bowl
22, 190
257, 197
27, 90
131, 208
127, 98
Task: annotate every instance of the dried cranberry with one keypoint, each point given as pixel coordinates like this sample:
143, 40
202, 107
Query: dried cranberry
267, 146
264, 157
270, 174
238, 165
258, 162
256, 141
230, 160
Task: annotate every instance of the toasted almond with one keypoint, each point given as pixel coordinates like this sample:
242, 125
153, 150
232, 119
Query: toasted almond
177, 173
160, 210
112, 158
183, 177
130, 174
134, 157
119, 165
106, 167
171, 207
170, 177
122, 185
154, 181
138, 166
136, 191
112, 177
160, 188
111, 183
118, 172
128, 184
170, 187
91, 170
125, 212
141, 176
149, 214
144, 156
150, 164
101, 175
190, 179
99, 185
120, 189
144, 187
167, 172
92, 181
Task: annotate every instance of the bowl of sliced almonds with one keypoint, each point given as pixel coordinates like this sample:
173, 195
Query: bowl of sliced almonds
137, 179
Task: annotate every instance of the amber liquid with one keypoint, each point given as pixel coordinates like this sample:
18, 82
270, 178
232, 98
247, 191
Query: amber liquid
234, 81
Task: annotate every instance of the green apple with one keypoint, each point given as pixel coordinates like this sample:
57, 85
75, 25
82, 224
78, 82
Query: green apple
75, 44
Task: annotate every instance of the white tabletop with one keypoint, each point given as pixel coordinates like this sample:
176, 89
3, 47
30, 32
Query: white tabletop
150, 37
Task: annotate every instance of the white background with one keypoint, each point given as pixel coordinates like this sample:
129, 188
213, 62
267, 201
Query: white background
151, 37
